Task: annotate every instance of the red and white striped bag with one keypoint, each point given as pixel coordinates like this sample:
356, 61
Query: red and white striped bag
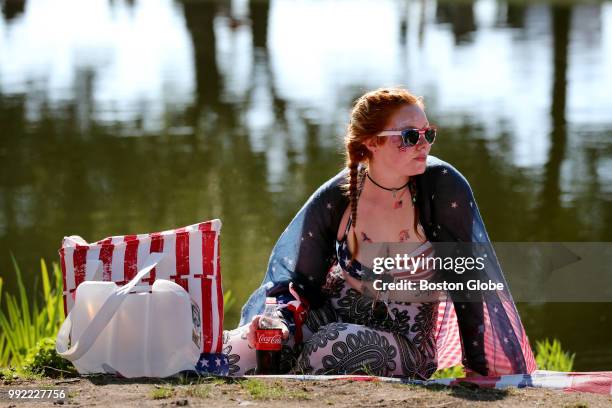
192, 260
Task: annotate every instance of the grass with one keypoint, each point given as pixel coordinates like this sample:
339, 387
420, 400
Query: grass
202, 387
162, 392
3, 348
228, 300
22, 322
259, 390
44, 360
11, 374
367, 370
450, 372
199, 390
550, 356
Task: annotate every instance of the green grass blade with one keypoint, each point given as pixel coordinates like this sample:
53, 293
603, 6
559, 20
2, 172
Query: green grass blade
11, 336
550, 356
25, 306
57, 299
3, 351
44, 273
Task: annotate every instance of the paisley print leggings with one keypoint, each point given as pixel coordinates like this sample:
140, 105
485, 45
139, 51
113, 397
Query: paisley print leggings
342, 338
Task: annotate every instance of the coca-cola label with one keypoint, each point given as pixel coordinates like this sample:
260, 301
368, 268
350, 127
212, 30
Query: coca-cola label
268, 339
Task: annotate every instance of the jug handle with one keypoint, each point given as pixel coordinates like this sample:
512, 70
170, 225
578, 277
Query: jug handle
101, 319
93, 267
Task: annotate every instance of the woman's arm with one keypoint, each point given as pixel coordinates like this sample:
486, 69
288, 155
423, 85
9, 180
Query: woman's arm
302, 256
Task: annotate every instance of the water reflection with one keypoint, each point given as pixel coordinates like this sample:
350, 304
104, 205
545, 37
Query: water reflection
180, 111
460, 15
515, 15
550, 195
12, 9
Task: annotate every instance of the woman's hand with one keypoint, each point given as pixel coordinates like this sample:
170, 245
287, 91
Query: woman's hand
253, 327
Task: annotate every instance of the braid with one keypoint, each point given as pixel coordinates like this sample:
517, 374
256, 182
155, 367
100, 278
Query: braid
353, 180
356, 153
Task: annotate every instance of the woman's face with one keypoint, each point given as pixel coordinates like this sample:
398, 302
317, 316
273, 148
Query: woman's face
390, 156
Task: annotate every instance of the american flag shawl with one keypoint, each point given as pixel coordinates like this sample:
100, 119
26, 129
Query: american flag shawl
485, 336
192, 260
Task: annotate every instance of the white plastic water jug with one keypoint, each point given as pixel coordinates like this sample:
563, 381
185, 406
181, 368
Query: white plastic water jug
129, 331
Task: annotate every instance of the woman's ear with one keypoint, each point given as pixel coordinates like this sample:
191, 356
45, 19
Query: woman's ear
371, 145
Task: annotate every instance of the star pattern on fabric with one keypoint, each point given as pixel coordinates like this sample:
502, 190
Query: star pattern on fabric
310, 234
218, 361
505, 340
444, 171
495, 309
475, 343
329, 206
288, 261
205, 363
454, 204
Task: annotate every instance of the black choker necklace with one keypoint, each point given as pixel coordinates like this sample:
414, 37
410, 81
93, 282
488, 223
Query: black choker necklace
394, 190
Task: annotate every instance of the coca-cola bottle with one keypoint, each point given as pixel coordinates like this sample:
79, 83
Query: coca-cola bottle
268, 340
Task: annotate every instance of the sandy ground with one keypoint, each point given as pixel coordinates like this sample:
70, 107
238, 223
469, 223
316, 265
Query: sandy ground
207, 392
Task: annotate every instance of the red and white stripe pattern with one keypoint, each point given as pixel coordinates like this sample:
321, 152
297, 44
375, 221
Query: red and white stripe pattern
599, 382
448, 339
192, 260
499, 363
423, 260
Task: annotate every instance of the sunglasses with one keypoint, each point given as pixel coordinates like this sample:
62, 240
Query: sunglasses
411, 136
380, 309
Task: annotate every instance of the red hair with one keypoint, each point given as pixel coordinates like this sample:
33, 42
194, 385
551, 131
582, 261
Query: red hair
369, 116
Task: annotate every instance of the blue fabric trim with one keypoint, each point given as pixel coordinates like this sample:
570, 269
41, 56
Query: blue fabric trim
213, 364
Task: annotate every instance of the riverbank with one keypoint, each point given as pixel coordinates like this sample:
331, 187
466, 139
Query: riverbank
109, 391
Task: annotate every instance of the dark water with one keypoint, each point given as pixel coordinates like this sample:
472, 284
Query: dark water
128, 117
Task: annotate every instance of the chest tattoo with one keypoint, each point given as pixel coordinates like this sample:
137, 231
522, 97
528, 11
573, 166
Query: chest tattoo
404, 235
365, 238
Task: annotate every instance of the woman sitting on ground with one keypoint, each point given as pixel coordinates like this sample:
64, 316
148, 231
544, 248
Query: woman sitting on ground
391, 194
